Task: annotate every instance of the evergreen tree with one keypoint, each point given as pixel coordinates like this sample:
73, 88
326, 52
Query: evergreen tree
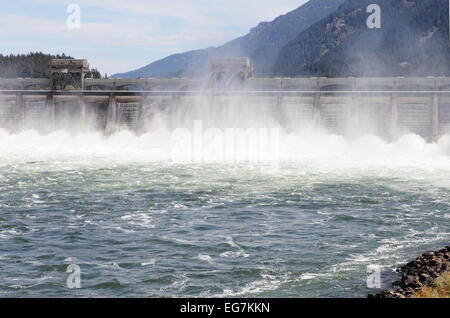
34, 65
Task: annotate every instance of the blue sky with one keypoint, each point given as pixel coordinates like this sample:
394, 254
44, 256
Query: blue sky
121, 35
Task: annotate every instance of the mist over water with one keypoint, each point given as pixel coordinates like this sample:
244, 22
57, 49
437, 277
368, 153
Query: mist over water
309, 147
139, 223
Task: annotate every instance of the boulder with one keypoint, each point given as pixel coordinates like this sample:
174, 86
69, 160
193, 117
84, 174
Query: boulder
428, 255
418, 273
411, 282
435, 262
425, 279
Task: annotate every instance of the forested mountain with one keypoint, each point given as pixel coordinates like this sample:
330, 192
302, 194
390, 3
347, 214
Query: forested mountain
321, 38
261, 44
34, 65
413, 41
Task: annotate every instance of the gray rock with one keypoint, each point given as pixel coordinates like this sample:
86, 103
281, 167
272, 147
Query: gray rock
412, 282
425, 279
418, 273
435, 262
428, 255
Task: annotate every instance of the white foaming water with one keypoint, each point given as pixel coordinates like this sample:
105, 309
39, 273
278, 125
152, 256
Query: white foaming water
267, 282
205, 258
220, 214
234, 254
309, 148
150, 262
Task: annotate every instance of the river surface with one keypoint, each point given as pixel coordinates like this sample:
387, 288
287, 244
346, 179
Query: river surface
139, 224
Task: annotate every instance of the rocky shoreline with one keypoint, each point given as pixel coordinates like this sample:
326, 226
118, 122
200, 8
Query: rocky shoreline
417, 274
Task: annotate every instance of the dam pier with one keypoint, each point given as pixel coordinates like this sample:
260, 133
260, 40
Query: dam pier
72, 98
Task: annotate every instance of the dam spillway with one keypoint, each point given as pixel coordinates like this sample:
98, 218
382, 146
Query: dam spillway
123, 207
383, 113
386, 107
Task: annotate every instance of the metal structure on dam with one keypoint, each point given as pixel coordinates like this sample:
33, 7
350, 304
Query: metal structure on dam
387, 107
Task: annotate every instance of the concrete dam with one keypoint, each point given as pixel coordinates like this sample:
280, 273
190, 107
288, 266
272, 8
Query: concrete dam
72, 99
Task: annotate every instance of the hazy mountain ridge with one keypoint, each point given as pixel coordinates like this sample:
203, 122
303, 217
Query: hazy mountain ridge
262, 44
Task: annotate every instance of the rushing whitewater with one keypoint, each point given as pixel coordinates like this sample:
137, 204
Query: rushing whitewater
139, 222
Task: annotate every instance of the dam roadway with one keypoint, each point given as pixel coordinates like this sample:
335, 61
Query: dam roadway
388, 107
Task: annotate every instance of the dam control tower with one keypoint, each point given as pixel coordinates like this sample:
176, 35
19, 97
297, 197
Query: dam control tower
230, 73
69, 73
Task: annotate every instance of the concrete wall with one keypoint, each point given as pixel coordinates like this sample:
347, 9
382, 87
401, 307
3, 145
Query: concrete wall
387, 107
257, 84
386, 115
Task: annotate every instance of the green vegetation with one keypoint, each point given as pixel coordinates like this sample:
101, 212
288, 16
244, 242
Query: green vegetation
331, 38
440, 288
34, 65
413, 40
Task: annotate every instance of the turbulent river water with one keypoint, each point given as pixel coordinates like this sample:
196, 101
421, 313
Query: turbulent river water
139, 224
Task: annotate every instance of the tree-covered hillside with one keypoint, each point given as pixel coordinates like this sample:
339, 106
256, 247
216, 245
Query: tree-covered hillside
413, 41
34, 65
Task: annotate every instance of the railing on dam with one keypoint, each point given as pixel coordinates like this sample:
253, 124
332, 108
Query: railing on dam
257, 84
387, 107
